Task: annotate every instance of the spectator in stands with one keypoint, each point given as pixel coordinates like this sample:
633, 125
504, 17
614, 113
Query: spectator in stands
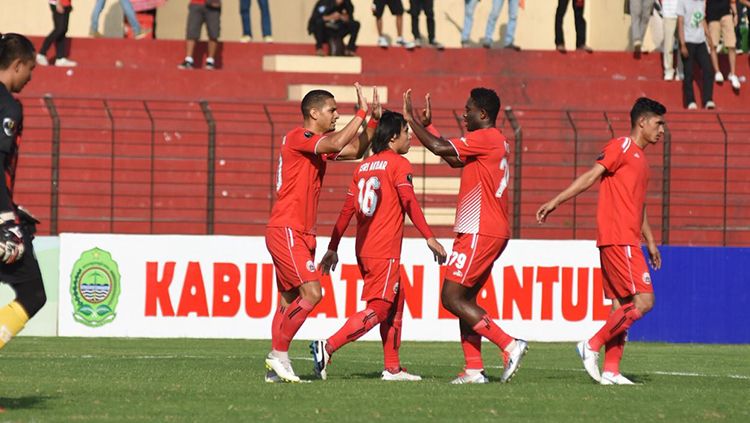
743, 18
721, 16
331, 21
692, 30
397, 9
127, 10
562, 8
60, 16
265, 21
640, 14
426, 6
497, 5
201, 12
669, 15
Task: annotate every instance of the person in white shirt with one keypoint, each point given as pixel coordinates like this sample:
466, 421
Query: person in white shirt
669, 15
692, 31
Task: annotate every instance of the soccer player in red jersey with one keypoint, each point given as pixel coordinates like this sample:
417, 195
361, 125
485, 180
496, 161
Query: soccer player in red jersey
380, 193
482, 228
621, 219
290, 233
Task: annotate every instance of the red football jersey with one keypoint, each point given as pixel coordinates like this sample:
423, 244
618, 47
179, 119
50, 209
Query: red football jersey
622, 194
299, 178
483, 200
380, 216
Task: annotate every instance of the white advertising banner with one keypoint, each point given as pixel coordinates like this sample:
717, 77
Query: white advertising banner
224, 287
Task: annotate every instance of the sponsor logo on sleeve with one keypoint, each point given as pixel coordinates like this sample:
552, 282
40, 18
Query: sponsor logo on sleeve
310, 265
308, 134
409, 178
646, 278
600, 156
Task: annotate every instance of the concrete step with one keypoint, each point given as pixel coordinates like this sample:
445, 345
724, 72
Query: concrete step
437, 216
343, 93
312, 64
441, 185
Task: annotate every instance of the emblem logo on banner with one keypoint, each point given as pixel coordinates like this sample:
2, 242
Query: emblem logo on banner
95, 288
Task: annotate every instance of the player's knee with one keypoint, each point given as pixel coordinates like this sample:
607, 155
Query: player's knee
32, 300
312, 294
382, 309
644, 303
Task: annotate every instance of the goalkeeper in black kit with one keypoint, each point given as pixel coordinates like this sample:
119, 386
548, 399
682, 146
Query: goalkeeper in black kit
18, 265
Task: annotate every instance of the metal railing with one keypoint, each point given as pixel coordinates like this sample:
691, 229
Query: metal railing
134, 166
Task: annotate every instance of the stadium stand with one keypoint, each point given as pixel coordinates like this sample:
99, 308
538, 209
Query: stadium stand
195, 151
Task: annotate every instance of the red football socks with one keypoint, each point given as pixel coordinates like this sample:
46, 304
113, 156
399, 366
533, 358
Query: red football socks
356, 326
294, 317
487, 328
278, 317
617, 323
472, 346
390, 334
359, 324
613, 353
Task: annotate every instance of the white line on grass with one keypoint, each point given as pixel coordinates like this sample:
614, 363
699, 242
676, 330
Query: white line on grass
557, 369
307, 358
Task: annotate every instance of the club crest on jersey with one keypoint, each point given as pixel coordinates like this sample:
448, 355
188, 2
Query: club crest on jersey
308, 134
9, 127
646, 278
310, 265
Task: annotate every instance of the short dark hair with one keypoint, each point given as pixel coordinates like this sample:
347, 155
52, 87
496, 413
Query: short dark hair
313, 99
15, 46
645, 106
389, 125
487, 99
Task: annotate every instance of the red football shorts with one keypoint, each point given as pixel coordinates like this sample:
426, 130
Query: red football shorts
293, 254
624, 271
381, 278
472, 258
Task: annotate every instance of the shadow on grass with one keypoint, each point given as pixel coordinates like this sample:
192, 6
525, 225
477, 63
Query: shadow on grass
368, 375
640, 379
23, 403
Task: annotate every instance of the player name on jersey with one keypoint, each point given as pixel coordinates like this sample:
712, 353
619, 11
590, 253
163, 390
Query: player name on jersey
378, 165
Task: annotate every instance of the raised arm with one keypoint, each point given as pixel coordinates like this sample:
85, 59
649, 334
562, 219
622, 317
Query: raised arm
357, 148
581, 184
337, 141
439, 146
653, 251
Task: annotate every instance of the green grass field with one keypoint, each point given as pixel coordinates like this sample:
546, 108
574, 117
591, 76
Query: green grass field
102, 380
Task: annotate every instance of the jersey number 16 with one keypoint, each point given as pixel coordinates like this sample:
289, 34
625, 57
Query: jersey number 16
368, 196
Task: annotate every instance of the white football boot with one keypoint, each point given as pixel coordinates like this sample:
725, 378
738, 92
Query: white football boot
590, 360
471, 376
609, 378
514, 360
401, 376
272, 377
282, 368
320, 358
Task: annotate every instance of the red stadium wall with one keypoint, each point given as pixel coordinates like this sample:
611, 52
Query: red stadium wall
123, 143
